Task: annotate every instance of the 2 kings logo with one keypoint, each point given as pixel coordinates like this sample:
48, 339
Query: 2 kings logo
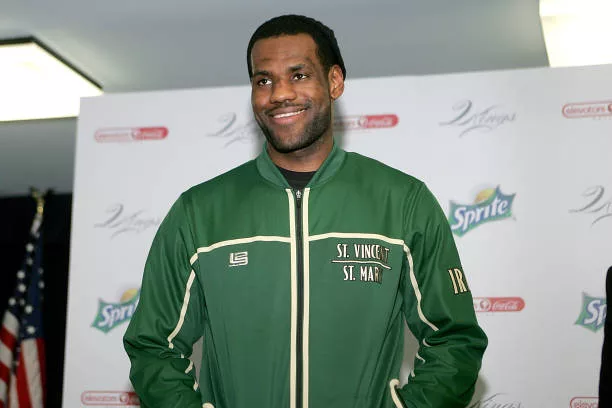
469, 119
490, 205
598, 205
119, 221
111, 315
498, 400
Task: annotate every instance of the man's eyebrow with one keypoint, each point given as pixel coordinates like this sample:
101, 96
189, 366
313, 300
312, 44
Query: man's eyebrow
293, 68
261, 72
297, 67
308, 64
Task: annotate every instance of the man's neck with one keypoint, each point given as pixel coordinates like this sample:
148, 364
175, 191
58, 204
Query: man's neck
298, 180
304, 160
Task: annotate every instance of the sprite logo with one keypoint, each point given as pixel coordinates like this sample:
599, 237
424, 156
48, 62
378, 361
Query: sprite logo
490, 205
111, 315
593, 314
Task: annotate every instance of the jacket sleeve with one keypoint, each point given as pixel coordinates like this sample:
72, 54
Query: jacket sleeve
439, 311
167, 320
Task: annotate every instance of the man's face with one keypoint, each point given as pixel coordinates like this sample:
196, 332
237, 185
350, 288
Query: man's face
291, 93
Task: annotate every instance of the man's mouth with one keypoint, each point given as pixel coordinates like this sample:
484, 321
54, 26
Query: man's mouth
287, 114
286, 117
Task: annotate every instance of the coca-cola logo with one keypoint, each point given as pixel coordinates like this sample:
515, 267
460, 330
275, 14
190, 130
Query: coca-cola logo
587, 109
498, 304
109, 135
360, 122
110, 398
584, 402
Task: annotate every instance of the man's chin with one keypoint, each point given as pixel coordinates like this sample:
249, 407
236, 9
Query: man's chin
285, 144
290, 143
286, 148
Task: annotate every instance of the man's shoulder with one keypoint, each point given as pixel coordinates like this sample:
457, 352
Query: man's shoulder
374, 168
236, 178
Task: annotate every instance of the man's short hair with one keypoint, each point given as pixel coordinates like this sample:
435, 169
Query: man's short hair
291, 24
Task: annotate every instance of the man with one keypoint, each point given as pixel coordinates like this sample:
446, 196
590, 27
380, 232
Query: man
299, 267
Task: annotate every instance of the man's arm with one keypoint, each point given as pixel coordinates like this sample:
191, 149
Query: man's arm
168, 319
605, 371
439, 310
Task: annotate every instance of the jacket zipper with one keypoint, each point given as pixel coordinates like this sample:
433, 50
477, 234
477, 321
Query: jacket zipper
300, 302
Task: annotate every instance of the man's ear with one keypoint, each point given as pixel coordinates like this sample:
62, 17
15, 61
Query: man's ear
336, 82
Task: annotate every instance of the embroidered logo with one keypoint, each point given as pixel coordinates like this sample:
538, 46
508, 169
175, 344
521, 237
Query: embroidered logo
239, 258
364, 262
458, 281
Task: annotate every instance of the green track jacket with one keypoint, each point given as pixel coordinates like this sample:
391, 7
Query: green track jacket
301, 295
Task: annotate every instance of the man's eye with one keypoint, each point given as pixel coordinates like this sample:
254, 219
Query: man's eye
299, 76
264, 82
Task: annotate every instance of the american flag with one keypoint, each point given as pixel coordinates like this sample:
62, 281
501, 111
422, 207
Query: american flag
22, 351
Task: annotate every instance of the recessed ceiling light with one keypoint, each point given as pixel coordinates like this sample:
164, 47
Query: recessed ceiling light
577, 32
36, 83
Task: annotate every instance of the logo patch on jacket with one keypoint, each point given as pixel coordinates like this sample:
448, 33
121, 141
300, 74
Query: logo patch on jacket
364, 261
239, 258
458, 281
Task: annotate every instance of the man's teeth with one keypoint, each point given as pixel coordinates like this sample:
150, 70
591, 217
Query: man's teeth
286, 115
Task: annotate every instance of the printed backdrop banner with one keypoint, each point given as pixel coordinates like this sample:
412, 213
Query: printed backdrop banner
519, 160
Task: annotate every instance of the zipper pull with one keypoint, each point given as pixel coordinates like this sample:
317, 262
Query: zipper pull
298, 197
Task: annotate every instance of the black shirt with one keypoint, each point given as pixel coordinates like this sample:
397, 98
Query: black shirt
297, 179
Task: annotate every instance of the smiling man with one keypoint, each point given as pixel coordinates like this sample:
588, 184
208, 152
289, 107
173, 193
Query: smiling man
292, 96
300, 267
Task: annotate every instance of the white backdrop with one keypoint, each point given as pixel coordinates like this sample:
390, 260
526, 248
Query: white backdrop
535, 141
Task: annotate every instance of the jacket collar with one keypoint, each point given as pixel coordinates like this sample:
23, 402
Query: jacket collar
328, 169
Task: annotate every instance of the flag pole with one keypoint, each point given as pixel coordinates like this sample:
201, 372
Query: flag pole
40, 200
40, 209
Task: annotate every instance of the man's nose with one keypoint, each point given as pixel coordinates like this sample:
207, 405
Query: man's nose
282, 91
